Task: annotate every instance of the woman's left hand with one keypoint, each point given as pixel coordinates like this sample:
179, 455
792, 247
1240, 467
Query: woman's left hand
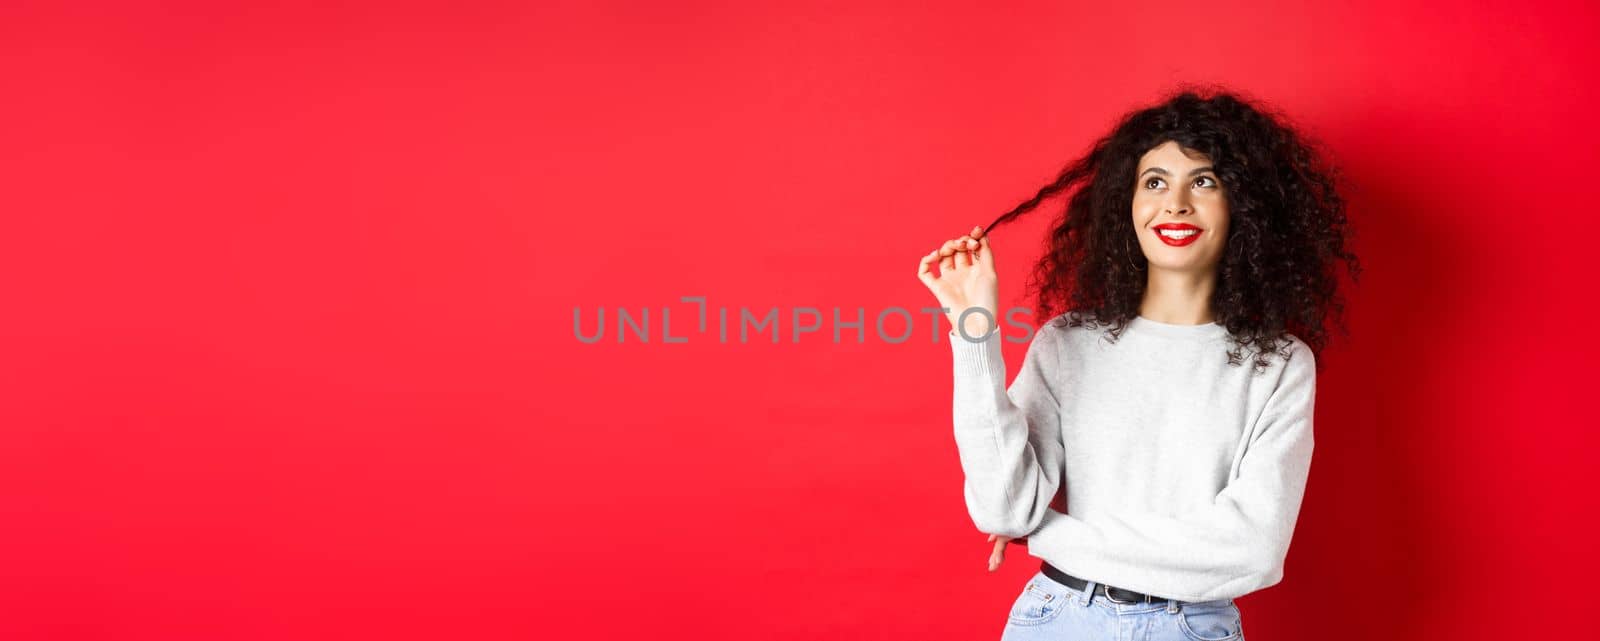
999, 553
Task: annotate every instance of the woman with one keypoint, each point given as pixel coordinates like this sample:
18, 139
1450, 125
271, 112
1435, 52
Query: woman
1174, 400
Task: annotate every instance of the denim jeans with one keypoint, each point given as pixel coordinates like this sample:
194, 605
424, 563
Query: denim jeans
1050, 610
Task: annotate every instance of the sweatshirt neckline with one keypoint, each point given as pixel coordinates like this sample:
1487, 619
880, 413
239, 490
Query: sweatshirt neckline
1143, 325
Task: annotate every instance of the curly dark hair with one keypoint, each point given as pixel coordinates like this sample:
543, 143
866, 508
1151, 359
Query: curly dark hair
1287, 229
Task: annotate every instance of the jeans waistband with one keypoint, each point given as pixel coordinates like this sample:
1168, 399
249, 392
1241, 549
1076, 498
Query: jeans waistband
1114, 594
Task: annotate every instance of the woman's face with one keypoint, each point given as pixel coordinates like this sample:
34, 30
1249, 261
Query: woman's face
1179, 193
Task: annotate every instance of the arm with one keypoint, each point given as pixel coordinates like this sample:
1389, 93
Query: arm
1009, 441
1233, 546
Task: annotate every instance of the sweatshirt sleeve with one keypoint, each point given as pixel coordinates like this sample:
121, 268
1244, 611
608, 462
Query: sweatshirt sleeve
1009, 440
1235, 545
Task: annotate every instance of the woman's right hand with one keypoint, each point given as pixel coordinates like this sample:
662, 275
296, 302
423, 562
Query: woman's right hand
966, 280
998, 554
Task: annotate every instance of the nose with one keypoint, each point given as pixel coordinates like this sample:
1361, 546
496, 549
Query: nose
1178, 205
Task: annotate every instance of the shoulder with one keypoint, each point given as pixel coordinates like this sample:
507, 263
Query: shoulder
1048, 339
1056, 331
1059, 338
1062, 325
1297, 365
1298, 354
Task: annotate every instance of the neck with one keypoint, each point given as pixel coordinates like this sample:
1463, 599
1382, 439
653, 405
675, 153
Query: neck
1179, 298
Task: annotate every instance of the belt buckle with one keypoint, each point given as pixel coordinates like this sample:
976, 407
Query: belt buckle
1114, 599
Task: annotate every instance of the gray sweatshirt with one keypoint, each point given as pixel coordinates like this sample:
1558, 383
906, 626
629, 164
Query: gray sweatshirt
1183, 474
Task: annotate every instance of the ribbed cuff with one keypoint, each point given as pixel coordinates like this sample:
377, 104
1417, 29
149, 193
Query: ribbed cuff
980, 359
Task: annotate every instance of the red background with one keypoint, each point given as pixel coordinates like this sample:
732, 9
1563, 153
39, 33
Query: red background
288, 346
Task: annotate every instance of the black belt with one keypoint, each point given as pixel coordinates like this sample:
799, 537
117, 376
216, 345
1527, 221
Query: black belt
1116, 595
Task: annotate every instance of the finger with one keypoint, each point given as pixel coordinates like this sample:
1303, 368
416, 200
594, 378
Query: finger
978, 232
947, 255
925, 266
964, 247
985, 256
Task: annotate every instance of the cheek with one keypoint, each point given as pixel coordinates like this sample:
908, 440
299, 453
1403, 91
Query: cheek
1145, 208
1221, 237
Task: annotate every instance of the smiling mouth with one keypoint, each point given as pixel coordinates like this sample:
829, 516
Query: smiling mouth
1178, 236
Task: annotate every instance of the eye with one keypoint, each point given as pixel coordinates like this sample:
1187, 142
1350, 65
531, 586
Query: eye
1148, 181
1213, 181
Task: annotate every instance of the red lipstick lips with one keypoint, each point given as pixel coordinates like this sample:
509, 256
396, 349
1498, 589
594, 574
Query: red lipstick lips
1184, 237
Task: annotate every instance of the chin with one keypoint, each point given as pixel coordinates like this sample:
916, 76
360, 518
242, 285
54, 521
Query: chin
1185, 266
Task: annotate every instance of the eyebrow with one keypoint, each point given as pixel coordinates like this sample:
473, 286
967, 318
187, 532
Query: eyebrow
1164, 172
